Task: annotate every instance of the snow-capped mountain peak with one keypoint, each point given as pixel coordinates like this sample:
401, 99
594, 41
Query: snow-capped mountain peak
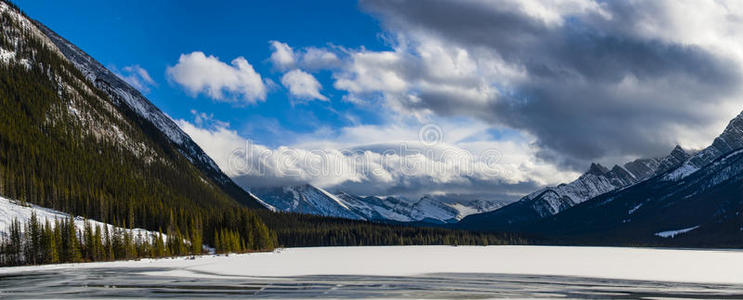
730, 140
309, 199
597, 180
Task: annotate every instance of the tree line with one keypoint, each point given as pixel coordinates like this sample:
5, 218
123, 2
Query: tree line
302, 230
61, 241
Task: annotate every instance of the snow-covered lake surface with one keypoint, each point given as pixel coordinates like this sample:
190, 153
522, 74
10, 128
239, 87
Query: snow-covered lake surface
401, 272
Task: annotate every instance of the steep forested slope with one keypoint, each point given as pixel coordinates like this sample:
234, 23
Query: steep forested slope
69, 145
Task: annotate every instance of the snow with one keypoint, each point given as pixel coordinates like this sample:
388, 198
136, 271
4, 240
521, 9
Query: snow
309, 199
681, 172
11, 210
674, 265
266, 205
673, 233
6, 55
333, 197
631, 211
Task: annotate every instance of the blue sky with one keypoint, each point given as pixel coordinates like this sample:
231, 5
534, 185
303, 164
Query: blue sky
526, 93
152, 34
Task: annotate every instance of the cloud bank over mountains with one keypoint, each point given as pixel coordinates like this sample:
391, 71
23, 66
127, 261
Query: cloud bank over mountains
551, 85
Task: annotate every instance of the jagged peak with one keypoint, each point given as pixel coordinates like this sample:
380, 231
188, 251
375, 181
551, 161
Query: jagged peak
735, 124
597, 169
731, 138
678, 151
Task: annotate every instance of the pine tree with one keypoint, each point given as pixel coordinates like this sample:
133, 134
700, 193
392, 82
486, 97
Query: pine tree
217, 242
58, 240
73, 244
196, 239
109, 252
98, 242
52, 256
33, 240
15, 244
89, 249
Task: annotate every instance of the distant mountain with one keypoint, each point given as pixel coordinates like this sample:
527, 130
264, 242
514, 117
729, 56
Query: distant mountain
699, 202
309, 199
553, 200
305, 199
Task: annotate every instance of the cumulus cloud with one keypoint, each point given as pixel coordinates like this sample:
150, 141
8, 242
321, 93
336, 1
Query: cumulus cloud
302, 85
282, 56
318, 58
137, 77
384, 160
238, 82
588, 79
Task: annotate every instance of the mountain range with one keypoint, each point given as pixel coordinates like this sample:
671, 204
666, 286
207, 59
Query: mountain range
684, 198
597, 180
308, 199
689, 200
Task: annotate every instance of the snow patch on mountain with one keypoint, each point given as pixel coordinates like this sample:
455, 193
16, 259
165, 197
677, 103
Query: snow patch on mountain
673, 233
264, 203
634, 209
730, 140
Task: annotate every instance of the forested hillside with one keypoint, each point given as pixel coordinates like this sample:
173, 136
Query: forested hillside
65, 145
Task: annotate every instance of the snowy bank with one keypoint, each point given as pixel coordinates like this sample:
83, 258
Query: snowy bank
676, 265
11, 210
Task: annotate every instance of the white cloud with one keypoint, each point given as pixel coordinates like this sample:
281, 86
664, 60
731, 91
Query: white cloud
316, 58
237, 82
370, 71
137, 77
282, 56
302, 85
385, 160
548, 68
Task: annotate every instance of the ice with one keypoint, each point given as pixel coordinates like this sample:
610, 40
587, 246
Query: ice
675, 265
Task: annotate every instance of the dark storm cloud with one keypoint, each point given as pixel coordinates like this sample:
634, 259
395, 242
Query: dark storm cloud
595, 87
416, 187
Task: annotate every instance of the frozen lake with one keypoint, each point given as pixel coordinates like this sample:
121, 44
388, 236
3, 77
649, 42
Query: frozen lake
399, 272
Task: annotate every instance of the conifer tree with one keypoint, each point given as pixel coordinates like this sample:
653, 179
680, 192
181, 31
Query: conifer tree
89, 245
73, 244
196, 239
98, 242
109, 251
